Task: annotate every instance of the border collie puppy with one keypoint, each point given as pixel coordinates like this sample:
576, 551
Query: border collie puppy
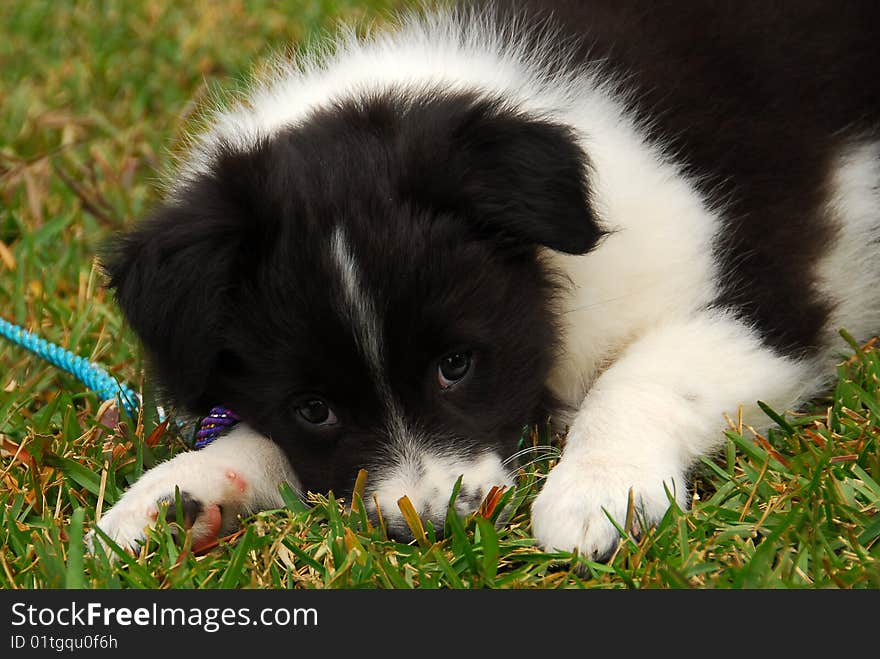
630, 217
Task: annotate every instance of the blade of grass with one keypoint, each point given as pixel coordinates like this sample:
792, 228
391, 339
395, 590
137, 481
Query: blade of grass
75, 550
413, 521
489, 545
233, 575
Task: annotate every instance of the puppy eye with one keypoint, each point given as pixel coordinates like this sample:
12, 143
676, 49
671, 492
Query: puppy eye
453, 368
317, 412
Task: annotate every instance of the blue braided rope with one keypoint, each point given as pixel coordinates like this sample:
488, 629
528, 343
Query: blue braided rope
90, 374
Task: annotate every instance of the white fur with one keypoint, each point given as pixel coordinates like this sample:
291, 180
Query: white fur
655, 265
649, 417
445, 51
428, 478
849, 274
361, 311
241, 472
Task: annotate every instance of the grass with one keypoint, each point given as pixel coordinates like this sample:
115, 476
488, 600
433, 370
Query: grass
92, 95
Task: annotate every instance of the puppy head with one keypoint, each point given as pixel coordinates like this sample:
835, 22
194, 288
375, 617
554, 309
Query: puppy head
365, 289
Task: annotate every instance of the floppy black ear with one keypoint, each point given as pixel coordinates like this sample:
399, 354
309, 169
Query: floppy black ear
523, 177
169, 275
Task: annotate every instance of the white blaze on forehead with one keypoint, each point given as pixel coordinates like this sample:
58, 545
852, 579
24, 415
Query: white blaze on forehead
414, 468
360, 311
359, 307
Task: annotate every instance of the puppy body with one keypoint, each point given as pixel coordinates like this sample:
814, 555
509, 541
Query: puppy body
592, 212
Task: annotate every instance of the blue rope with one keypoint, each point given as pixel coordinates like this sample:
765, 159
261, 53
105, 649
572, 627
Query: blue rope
90, 374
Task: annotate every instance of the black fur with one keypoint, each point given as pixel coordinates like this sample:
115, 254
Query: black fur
755, 98
238, 302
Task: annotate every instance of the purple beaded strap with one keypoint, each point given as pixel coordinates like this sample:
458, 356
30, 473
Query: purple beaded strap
212, 426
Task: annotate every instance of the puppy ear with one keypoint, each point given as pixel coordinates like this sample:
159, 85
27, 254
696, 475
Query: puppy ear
169, 275
522, 177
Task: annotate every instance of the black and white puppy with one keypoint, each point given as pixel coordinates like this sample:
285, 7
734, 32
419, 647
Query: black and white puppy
633, 217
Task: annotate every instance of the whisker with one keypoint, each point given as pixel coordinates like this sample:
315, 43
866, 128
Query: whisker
541, 449
611, 300
537, 475
540, 458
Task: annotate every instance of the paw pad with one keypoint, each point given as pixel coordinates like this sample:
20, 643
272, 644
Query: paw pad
190, 507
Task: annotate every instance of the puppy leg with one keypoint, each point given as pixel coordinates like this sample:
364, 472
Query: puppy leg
237, 474
649, 417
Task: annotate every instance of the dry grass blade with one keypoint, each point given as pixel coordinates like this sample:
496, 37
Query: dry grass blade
94, 204
413, 521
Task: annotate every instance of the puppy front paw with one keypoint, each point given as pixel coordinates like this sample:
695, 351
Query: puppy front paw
212, 497
127, 522
571, 513
236, 475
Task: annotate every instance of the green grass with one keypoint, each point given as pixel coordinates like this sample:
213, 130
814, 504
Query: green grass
92, 95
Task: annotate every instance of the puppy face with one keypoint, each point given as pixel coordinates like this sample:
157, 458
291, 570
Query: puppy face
365, 289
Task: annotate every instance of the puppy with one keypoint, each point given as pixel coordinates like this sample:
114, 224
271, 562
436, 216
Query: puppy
632, 218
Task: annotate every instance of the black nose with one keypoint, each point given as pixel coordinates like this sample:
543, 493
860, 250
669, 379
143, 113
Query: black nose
399, 530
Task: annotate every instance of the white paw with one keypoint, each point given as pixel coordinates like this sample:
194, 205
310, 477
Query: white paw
127, 522
236, 475
572, 510
125, 525
212, 496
